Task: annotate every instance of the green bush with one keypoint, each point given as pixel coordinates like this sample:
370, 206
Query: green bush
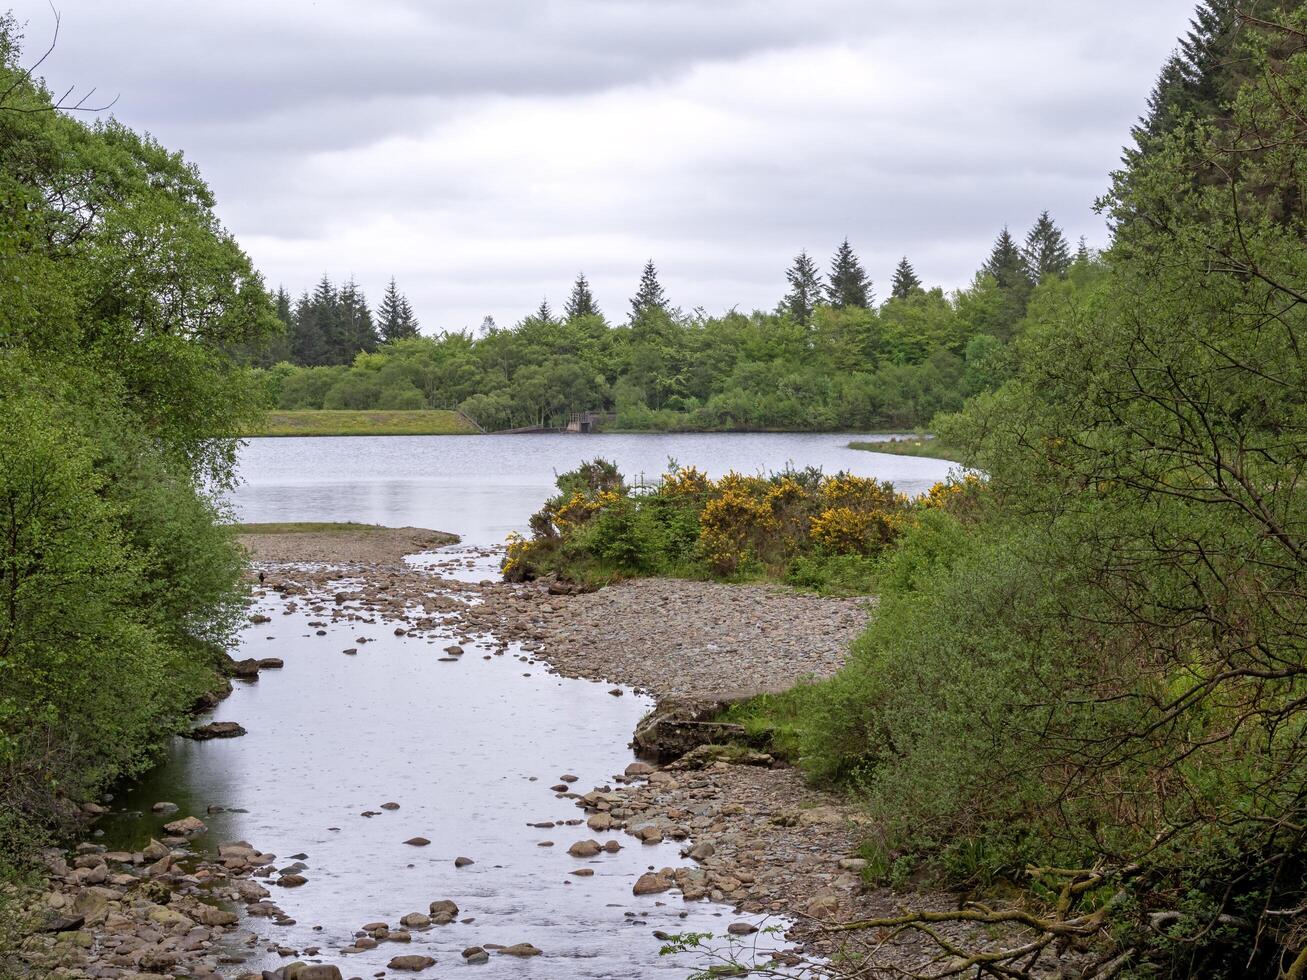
119, 402
400, 396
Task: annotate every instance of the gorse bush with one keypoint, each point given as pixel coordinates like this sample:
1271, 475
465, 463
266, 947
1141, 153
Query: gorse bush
121, 300
822, 532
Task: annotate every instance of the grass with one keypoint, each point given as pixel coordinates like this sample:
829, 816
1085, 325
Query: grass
323, 422
924, 445
775, 722
305, 527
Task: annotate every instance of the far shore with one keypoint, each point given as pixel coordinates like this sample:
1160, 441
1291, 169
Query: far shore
440, 422
925, 446
330, 422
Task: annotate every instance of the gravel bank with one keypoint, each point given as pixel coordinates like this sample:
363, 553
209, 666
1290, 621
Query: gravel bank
337, 543
675, 638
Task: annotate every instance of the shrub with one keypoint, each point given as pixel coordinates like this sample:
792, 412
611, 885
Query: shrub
799, 526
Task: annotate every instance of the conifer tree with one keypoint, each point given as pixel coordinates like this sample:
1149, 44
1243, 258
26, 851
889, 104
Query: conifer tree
849, 285
1203, 74
1046, 253
805, 289
649, 296
581, 302
1082, 251
354, 329
394, 316
904, 280
408, 322
543, 313
284, 313
1006, 264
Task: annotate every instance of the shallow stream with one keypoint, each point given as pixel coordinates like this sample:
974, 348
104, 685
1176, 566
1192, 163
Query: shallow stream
468, 749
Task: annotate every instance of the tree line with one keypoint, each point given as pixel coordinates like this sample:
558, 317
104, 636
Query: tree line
829, 356
330, 324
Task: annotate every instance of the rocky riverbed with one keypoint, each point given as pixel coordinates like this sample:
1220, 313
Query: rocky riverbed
752, 833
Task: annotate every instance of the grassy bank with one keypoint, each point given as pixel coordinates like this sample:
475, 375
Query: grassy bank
315, 422
307, 527
927, 446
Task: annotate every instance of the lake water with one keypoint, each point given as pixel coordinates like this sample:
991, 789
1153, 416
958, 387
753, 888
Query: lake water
482, 487
468, 749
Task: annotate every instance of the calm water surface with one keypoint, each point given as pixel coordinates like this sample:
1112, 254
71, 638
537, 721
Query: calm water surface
482, 487
468, 749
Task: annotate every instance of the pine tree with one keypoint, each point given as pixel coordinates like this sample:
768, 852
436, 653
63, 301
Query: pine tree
649, 297
849, 285
394, 316
805, 289
543, 313
904, 281
1006, 264
1082, 251
582, 301
1046, 253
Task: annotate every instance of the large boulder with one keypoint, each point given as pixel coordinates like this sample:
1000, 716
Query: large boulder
187, 826
216, 729
678, 726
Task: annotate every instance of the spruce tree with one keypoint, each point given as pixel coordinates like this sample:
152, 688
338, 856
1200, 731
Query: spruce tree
543, 313
649, 297
1082, 251
904, 280
408, 323
306, 341
355, 330
284, 313
1046, 253
1202, 76
849, 285
805, 289
582, 301
1006, 264
395, 318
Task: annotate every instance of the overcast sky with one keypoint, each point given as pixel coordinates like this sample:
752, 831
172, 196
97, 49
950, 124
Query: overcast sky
485, 151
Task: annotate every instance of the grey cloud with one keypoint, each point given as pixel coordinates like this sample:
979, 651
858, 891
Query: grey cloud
484, 151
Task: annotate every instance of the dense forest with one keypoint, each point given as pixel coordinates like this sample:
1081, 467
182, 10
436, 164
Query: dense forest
1086, 678
828, 357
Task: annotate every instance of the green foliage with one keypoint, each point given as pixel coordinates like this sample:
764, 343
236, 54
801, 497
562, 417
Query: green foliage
825, 360
122, 303
1103, 664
